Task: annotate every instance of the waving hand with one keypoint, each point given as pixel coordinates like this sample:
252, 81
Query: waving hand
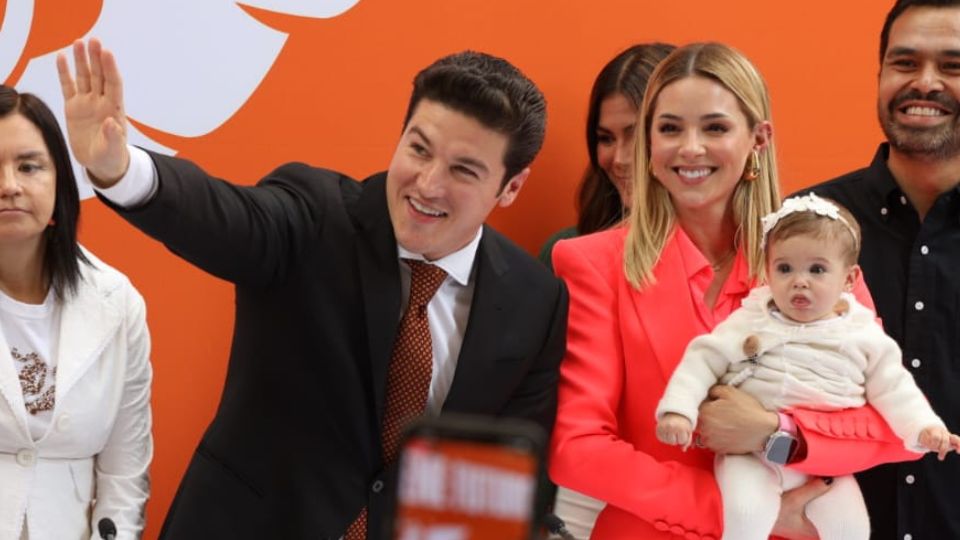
96, 122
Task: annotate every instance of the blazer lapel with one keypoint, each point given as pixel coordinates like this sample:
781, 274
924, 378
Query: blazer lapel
87, 323
380, 279
10, 388
666, 310
478, 353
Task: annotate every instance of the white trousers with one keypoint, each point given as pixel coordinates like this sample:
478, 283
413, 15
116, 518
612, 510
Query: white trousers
578, 511
751, 490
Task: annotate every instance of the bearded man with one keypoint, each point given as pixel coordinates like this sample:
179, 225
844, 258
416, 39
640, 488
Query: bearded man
908, 205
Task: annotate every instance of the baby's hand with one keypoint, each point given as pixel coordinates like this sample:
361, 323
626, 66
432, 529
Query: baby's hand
675, 429
939, 440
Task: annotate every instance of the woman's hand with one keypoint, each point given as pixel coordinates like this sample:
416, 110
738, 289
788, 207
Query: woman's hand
734, 422
792, 523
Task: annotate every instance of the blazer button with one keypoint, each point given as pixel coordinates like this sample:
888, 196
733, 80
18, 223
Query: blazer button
26, 457
377, 486
63, 423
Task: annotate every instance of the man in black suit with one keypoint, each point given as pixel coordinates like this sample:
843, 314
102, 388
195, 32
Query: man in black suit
295, 449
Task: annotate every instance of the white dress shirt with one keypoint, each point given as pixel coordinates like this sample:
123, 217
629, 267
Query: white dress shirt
447, 312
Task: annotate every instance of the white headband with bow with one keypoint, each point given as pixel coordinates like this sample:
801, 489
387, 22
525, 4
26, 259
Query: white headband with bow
804, 203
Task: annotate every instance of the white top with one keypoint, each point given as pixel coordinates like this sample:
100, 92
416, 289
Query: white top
447, 312
31, 331
828, 365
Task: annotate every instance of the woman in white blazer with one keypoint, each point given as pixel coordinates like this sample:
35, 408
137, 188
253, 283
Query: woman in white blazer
75, 440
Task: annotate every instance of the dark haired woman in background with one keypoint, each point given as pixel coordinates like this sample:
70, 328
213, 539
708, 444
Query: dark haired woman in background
615, 100
75, 438
604, 193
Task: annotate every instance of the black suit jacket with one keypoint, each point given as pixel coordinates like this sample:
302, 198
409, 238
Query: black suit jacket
294, 448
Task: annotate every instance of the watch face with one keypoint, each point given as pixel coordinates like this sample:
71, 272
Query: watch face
780, 448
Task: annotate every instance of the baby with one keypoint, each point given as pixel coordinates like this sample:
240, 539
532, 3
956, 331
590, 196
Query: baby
800, 341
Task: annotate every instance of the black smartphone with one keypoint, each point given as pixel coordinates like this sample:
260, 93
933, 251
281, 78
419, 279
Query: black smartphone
470, 478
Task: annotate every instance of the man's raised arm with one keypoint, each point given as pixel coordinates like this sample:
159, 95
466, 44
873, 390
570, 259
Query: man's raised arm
93, 103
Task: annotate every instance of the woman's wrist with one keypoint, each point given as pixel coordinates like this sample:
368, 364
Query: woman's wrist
787, 424
771, 425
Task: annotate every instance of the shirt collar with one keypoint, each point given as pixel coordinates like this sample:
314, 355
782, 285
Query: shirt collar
884, 191
457, 265
695, 263
885, 187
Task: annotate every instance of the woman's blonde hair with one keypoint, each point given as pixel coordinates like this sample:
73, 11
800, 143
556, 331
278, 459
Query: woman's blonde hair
653, 217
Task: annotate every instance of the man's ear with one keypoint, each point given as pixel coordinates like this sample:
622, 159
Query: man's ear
510, 190
853, 275
763, 135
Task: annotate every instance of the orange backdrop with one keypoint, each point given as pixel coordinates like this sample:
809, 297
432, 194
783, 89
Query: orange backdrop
336, 94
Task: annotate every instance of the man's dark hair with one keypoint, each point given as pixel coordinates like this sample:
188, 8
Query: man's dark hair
898, 8
495, 93
62, 254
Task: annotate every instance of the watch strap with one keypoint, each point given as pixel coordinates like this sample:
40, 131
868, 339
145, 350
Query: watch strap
787, 423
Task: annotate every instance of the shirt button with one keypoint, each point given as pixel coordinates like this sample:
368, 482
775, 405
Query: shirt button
915, 362
63, 423
377, 486
924, 250
883, 211
918, 306
903, 201
26, 457
908, 536
910, 479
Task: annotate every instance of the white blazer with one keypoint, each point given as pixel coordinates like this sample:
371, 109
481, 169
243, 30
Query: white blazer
92, 462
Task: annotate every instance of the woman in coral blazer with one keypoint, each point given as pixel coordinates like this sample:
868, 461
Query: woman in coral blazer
638, 294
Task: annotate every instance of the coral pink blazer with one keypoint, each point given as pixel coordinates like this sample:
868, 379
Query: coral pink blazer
622, 347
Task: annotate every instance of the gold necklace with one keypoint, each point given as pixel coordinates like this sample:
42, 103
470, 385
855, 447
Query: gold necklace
723, 261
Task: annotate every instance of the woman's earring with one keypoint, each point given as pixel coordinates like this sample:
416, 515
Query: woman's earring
752, 170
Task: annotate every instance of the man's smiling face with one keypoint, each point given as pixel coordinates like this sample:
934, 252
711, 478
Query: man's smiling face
919, 85
445, 179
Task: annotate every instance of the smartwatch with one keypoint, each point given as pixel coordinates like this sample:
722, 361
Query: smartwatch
782, 444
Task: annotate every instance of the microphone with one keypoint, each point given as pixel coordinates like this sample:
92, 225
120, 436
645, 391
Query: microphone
556, 526
108, 531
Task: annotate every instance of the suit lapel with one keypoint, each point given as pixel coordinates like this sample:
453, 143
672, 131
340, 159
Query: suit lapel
87, 323
666, 310
478, 354
10, 387
380, 279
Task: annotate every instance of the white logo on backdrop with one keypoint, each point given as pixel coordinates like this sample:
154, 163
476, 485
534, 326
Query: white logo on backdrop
187, 65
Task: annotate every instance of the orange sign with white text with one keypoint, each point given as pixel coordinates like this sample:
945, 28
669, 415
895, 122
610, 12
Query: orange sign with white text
457, 490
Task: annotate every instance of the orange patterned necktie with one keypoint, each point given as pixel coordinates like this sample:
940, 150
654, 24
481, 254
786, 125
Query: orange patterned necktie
411, 368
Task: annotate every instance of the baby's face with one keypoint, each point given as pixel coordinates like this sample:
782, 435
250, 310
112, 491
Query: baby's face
806, 276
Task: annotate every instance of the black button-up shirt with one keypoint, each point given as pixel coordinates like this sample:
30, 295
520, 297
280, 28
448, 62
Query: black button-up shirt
913, 272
